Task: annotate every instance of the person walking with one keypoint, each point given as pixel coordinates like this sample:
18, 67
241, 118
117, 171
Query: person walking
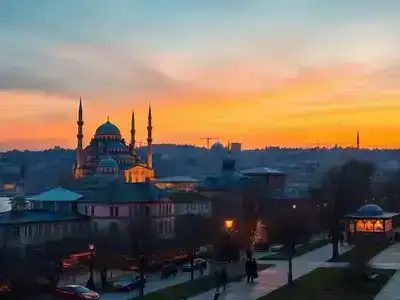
224, 278
254, 270
216, 295
341, 239
248, 270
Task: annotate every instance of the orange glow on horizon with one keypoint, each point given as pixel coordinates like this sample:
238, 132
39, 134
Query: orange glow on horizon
326, 106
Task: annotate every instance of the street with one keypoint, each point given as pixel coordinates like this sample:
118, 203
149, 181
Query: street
154, 283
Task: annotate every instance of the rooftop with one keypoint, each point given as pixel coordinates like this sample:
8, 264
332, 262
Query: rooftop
177, 179
36, 216
121, 192
371, 211
57, 194
261, 170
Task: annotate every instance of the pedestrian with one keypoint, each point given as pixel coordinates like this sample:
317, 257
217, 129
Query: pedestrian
224, 278
216, 295
341, 239
254, 270
248, 269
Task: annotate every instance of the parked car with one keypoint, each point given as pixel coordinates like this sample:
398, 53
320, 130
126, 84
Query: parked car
128, 283
169, 270
198, 264
75, 292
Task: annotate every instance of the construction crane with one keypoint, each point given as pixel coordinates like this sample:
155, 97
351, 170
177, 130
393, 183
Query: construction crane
208, 139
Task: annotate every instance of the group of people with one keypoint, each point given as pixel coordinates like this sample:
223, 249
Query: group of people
251, 269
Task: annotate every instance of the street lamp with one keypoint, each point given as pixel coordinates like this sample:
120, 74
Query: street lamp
228, 224
90, 283
293, 206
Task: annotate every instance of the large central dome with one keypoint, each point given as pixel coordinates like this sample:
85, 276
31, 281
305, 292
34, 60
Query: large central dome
108, 128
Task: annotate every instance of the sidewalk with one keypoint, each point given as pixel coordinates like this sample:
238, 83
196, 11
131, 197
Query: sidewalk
275, 277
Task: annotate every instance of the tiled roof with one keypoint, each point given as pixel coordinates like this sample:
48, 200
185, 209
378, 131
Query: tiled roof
187, 197
177, 179
224, 180
57, 194
37, 216
120, 192
261, 170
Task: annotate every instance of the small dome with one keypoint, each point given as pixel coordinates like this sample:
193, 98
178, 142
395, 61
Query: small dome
217, 146
108, 163
108, 128
370, 210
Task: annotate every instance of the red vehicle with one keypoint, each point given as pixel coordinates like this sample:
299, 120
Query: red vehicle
75, 292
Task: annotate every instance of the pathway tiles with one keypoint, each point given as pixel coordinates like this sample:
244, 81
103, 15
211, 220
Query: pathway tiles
389, 259
273, 278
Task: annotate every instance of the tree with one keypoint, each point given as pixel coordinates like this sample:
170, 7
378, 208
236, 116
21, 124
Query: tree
143, 237
347, 189
290, 230
191, 234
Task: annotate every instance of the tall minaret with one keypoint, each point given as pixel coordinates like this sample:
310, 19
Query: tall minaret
358, 139
149, 140
79, 148
133, 131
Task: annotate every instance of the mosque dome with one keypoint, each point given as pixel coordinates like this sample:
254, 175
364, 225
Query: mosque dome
108, 128
217, 146
108, 163
369, 210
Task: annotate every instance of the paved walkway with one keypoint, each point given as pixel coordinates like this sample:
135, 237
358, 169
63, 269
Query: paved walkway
389, 259
273, 278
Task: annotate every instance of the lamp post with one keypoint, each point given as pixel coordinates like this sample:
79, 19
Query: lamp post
90, 283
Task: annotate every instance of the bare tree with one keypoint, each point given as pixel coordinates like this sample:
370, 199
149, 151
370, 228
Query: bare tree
191, 234
291, 229
144, 238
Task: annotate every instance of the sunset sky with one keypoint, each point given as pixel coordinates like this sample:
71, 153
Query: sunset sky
260, 72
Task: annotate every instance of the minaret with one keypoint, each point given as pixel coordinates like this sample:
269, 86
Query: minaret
358, 139
79, 148
133, 131
149, 140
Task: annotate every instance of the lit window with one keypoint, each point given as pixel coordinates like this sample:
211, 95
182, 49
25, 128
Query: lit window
379, 226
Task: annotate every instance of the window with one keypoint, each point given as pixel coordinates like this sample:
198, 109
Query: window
92, 209
16, 233
160, 227
147, 211
86, 210
65, 228
47, 229
56, 228
39, 230
28, 231
113, 211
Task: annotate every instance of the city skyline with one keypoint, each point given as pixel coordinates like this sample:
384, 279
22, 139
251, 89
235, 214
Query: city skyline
287, 73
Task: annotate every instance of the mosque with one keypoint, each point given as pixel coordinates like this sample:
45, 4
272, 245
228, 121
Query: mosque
109, 155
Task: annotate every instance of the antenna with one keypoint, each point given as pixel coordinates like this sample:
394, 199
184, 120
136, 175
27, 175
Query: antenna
208, 139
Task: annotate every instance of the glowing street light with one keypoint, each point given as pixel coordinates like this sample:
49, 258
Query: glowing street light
228, 224
294, 206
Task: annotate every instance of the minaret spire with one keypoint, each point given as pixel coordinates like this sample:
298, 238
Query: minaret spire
149, 140
358, 139
79, 148
133, 132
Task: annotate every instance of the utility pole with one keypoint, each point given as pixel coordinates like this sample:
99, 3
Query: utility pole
208, 139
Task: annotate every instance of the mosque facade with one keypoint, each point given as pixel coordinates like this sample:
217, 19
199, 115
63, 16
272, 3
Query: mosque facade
108, 154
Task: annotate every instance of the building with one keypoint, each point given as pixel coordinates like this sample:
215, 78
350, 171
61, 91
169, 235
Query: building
371, 224
21, 226
190, 203
177, 183
236, 147
108, 143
